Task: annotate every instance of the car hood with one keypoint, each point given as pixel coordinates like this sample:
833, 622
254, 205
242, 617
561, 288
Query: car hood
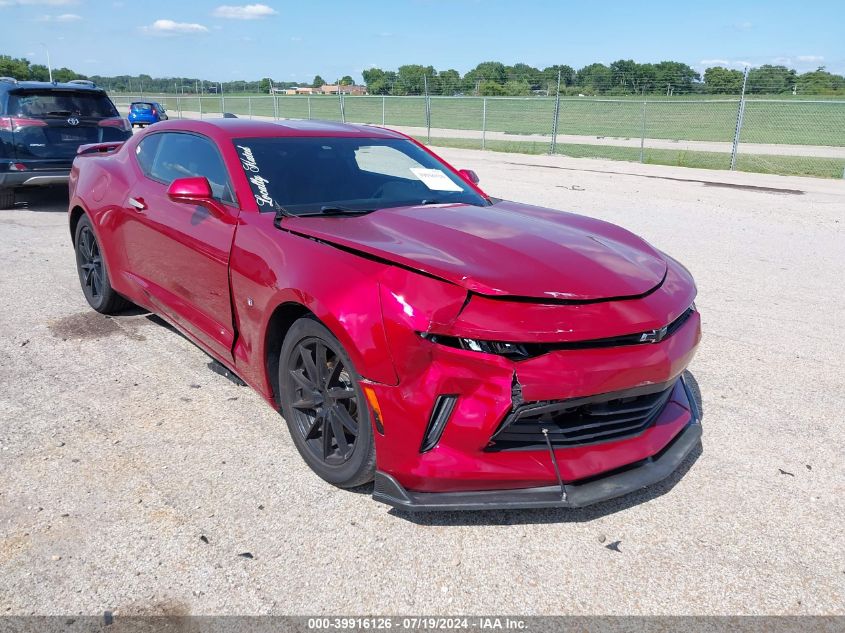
506, 249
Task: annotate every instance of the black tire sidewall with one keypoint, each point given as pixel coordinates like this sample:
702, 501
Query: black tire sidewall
107, 294
358, 469
7, 199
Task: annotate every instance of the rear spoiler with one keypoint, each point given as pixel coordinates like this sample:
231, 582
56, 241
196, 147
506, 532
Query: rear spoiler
98, 148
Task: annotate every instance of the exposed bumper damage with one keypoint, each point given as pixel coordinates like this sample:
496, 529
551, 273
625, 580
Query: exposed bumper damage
574, 495
516, 427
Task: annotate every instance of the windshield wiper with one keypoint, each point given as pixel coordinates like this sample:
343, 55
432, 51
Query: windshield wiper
281, 212
59, 113
337, 210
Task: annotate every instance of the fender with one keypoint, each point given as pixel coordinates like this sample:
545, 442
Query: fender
266, 271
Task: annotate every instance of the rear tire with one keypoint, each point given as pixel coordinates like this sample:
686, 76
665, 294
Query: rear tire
325, 409
7, 198
93, 275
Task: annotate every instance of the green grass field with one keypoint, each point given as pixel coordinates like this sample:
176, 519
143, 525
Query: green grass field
782, 121
759, 163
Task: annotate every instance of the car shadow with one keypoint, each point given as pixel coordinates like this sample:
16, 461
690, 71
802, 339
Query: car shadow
560, 515
52, 199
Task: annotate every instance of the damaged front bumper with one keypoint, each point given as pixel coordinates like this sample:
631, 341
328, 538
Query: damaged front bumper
585, 408
577, 494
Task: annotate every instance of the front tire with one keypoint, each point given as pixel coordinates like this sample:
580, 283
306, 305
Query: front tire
93, 275
324, 406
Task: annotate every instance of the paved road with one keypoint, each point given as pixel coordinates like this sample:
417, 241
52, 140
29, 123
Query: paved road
120, 449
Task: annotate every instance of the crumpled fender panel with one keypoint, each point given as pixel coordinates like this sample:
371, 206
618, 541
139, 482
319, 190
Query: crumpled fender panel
270, 267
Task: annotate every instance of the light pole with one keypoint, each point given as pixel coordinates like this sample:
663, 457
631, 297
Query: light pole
49, 65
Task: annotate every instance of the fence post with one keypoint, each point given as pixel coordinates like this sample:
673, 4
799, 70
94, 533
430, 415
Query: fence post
427, 110
179, 106
342, 109
222, 101
249, 106
383, 99
642, 136
484, 123
553, 145
200, 100
740, 115
275, 106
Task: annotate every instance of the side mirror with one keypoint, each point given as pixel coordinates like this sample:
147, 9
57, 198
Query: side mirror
194, 190
469, 175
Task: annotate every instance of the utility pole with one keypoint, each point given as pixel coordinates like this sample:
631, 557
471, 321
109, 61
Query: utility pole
49, 65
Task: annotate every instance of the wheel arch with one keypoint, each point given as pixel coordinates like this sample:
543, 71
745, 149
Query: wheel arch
76, 214
278, 326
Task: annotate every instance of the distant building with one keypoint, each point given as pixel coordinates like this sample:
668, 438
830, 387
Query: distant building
322, 90
333, 89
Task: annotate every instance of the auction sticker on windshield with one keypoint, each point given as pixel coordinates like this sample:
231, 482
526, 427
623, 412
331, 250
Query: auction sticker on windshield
435, 179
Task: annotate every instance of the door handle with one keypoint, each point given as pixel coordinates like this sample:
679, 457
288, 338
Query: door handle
138, 203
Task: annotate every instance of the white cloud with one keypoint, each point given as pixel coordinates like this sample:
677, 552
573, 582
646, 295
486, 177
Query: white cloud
31, 3
169, 27
727, 63
64, 17
244, 12
810, 58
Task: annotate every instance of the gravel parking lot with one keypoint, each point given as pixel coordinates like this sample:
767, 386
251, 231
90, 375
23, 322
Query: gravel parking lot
133, 479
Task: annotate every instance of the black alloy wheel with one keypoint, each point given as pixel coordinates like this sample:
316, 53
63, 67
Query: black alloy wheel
93, 274
90, 265
324, 406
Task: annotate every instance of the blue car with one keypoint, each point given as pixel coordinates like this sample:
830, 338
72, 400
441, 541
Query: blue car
146, 112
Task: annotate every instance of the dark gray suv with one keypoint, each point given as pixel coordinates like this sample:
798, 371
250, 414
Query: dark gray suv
43, 124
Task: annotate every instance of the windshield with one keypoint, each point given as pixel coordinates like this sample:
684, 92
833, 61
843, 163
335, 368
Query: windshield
304, 175
62, 103
142, 106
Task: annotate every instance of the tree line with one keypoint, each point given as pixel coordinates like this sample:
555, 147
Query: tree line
622, 77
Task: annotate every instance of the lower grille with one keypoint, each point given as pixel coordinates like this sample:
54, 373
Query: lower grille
581, 421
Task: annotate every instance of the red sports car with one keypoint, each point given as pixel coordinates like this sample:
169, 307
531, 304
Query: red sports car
464, 351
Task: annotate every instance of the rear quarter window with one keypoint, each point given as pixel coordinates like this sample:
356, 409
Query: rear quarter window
145, 153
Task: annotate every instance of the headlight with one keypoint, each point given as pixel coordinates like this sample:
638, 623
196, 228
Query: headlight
513, 351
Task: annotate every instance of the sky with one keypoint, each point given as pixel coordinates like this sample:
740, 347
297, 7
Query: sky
296, 40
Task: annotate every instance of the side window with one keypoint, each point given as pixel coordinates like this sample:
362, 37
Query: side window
187, 155
145, 153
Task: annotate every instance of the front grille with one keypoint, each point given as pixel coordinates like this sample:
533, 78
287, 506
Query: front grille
582, 421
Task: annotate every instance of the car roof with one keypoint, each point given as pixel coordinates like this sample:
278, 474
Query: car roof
243, 128
46, 85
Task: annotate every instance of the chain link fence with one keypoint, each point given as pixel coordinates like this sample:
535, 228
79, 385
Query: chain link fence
780, 136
